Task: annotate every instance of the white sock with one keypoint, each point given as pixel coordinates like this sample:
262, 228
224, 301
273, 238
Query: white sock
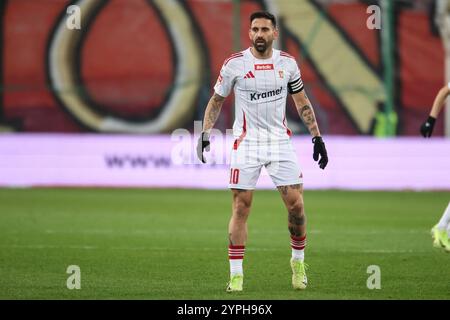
236, 257
298, 245
444, 223
298, 254
236, 267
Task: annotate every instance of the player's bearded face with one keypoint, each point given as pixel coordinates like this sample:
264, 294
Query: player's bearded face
262, 33
260, 44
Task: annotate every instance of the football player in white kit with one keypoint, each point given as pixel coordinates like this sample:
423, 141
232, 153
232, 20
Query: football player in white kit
261, 78
441, 231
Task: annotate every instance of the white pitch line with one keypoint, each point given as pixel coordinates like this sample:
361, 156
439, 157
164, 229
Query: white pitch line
213, 231
392, 251
46, 246
172, 231
77, 247
224, 231
256, 231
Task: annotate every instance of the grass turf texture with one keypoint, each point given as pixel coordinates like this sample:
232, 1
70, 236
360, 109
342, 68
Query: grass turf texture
172, 244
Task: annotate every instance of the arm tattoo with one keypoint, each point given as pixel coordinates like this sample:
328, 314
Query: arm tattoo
212, 115
212, 111
307, 115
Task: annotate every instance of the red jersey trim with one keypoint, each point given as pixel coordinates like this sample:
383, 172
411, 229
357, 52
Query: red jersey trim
288, 131
236, 55
285, 54
238, 141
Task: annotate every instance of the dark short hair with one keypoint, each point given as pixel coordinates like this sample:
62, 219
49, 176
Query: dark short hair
265, 15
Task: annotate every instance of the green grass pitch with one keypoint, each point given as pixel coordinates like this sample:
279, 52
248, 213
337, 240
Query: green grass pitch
172, 244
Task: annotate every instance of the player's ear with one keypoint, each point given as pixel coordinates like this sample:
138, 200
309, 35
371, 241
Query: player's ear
275, 34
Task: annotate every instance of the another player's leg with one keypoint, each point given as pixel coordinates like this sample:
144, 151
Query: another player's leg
293, 199
448, 238
440, 233
237, 232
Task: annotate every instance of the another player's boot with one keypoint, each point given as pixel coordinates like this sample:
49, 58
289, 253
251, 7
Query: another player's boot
435, 237
236, 282
440, 239
299, 279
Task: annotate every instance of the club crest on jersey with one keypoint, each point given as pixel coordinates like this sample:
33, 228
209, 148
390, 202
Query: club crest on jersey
265, 66
281, 74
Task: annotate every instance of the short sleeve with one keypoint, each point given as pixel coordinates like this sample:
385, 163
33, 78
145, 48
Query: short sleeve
295, 83
448, 84
225, 81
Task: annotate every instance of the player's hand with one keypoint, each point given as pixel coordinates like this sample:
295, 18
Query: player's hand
319, 149
203, 144
427, 127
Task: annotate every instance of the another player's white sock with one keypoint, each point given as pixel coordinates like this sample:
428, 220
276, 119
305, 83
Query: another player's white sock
298, 247
444, 223
236, 257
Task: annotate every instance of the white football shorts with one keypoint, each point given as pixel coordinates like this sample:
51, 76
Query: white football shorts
247, 160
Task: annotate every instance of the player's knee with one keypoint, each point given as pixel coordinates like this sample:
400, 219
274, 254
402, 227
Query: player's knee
296, 207
241, 204
241, 209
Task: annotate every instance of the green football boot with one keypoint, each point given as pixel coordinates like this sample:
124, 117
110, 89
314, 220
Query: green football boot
440, 239
236, 282
299, 279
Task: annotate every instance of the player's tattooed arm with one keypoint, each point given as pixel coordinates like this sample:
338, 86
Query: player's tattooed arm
212, 111
306, 112
309, 119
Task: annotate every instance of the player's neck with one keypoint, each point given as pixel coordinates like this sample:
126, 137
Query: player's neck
258, 55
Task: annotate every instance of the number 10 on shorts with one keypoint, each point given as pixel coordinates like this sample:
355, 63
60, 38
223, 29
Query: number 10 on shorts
234, 176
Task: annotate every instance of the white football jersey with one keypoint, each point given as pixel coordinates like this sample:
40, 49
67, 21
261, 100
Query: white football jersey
260, 89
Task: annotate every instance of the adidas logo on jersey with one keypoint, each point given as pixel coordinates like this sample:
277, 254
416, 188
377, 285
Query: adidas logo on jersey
256, 96
249, 75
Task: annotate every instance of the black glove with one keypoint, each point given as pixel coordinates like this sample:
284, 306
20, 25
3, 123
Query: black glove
427, 127
319, 149
203, 143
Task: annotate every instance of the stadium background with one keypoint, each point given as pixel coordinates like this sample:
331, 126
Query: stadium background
109, 106
126, 64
